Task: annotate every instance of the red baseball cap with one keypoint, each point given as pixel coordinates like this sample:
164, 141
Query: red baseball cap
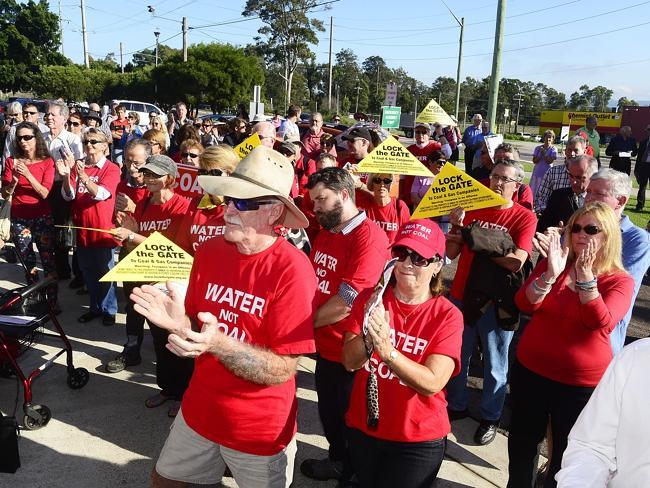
422, 236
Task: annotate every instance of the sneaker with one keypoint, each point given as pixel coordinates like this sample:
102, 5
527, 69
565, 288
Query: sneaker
123, 360
322, 469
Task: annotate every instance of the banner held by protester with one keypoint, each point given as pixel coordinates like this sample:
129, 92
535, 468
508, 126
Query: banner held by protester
433, 113
247, 145
391, 157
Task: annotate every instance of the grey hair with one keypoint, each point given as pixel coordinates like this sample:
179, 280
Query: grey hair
14, 107
477, 115
266, 128
507, 147
63, 108
314, 114
577, 140
592, 161
133, 143
509, 163
621, 184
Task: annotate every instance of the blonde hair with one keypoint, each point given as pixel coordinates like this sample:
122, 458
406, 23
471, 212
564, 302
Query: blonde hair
549, 132
608, 258
155, 135
219, 157
93, 133
191, 144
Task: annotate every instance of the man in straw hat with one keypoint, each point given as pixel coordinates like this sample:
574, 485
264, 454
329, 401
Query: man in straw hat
246, 318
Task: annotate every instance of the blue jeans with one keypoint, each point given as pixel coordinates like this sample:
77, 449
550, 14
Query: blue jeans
496, 342
117, 155
95, 262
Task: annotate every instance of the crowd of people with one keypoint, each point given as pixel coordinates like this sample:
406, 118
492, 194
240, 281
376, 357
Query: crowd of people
289, 244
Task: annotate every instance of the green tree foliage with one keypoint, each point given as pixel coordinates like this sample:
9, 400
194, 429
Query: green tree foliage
623, 101
147, 57
29, 38
288, 31
218, 74
587, 99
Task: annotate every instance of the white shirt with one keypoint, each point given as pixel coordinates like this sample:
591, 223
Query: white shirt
68, 140
609, 445
288, 129
102, 193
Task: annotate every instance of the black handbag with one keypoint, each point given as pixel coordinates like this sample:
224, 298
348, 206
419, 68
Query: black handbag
9, 456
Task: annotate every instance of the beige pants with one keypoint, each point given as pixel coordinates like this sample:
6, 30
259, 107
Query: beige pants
189, 457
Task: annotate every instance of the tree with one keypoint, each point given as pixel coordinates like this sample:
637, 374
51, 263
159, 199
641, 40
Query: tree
288, 31
147, 57
623, 101
346, 74
587, 99
29, 38
219, 74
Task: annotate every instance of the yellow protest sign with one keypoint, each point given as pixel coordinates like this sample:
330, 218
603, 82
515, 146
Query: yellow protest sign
453, 188
247, 146
155, 259
433, 113
393, 158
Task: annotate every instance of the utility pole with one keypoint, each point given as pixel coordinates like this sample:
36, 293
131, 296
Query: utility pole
337, 99
84, 33
496, 64
61, 27
185, 39
356, 107
157, 34
461, 23
329, 90
377, 91
518, 99
121, 58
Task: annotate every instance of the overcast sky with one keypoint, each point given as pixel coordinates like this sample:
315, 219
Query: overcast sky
563, 44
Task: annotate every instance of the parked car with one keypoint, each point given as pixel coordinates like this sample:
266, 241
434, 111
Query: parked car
142, 109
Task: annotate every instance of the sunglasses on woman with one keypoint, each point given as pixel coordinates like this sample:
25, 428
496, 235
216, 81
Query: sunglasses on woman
385, 181
189, 155
26, 137
401, 253
209, 172
247, 204
590, 229
74, 124
92, 142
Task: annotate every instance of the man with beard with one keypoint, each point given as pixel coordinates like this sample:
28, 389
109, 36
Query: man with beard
348, 256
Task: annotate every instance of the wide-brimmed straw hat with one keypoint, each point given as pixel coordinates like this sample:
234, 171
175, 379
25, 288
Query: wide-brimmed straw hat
264, 172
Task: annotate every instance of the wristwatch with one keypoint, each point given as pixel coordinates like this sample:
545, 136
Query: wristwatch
392, 357
130, 237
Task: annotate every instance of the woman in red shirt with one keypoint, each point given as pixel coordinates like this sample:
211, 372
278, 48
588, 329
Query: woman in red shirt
414, 339
28, 179
576, 297
387, 212
162, 212
205, 217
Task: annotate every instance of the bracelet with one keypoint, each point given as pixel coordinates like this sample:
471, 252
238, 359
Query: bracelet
590, 283
586, 287
539, 289
543, 278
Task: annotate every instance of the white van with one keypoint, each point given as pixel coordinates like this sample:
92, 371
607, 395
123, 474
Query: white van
142, 109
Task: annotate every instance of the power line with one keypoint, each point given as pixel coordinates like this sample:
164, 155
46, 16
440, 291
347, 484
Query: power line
153, 45
586, 68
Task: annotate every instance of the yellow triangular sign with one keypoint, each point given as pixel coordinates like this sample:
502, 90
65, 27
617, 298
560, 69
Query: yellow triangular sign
433, 113
453, 188
247, 145
393, 158
153, 260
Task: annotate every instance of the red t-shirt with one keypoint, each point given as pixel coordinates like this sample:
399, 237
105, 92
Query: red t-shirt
199, 225
526, 198
567, 341
164, 218
420, 153
119, 126
135, 193
433, 327
387, 217
26, 203
517, 221
356, 258
88, 212
263, 299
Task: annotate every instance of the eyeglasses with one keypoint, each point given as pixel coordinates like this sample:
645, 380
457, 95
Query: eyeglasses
439, 162
247, 204
576, 178
589, 229
149, 174
13, 115
385, 181
421, 132
401, 253
74, 124
153, 143
189, 155
206, 125
241, 127
337, 120
131, 117
502, 179
27, 112
209, 172
51, 114
92, 142
26, 137
135, 164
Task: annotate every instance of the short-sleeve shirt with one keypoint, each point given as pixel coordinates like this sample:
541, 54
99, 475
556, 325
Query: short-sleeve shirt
165, 218
388, 218
433, 327
200, 225
355, 258
262, 299
119, 126
516, 220
26, 203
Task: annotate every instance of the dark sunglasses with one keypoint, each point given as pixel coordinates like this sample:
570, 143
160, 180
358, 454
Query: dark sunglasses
247, 204
131, 117
74, 124
589, 229
209, 172
27, 112
440, 162
206, 125
401, 253
92, 142
421, 132
27, 137
385, 181
189, 155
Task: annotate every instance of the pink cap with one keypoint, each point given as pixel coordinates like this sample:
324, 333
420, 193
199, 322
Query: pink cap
422, 236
